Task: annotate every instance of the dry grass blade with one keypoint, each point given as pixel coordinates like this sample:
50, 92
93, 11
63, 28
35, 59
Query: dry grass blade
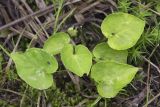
152, 64
150, 101
38, 13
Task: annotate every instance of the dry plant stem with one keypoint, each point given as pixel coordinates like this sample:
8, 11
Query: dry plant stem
65, 18
36, 18
11, 91
14, 92
3, 12
18, 30
148, 74
34, 26
139, 98
26, 33
7, 69
45, 94
15, 48
152, 64
38, 13
78, 16
148, 82
74, 80
50, 23
43, 101
89, 97
23, 97
72, 2
157, 13
113, 3
39, 99
82, 102
7, 39
89, 7
154, 11
153, 51
40, 4
150, 101
31, 43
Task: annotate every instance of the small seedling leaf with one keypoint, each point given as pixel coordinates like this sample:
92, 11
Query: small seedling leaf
35, 67
102, 51
122, 30
72, 32
77, 59
56, 42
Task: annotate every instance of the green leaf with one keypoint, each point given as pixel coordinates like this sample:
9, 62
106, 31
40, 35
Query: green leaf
158, 7
35, 67
104, 52
122, 30
56, 42
106, 91
77, 59
112, 77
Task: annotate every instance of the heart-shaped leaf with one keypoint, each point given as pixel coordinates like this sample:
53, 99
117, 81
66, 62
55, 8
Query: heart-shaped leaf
35, 67
122, 30
56, 42
102, 51
112, 77
77, 59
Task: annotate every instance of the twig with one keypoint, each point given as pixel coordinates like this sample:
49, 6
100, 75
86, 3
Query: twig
41, 12
152, 64
90, 6
153, 51
72, 2
39, 99
148, 81
138, 98
36, 18
74, 80
112, 2
14, 92
150, 101
64, 19
15, 48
